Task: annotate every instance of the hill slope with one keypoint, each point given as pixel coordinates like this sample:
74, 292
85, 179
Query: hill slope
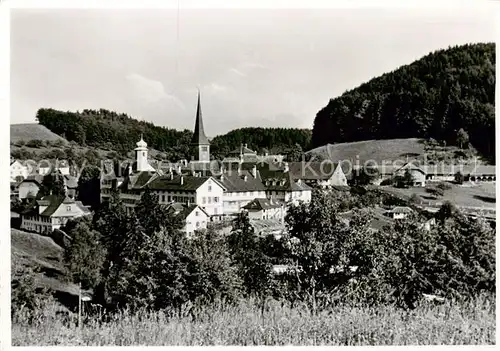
38, 251
119, 132
392, 150
32, 131
430, 98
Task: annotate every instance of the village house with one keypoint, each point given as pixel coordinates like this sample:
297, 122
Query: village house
263, 208
280, 185
323, 174
18, 171
205, 192
417, 173
30, 186
241, 187
44, 167
50, 213
400, 212
193, 217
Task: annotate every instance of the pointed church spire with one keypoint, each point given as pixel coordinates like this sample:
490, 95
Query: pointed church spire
199, 137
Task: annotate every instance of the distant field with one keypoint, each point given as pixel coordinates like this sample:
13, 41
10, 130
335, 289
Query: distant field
479, 195
32, 131
377, 150
387, 150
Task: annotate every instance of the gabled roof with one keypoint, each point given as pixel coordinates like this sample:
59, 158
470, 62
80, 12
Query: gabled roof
189, 183
235, 182
53, 202
138, 180
242, 149
34, 178
411, 166
199, 137
184, 210
276, 180
261, 204
401, 209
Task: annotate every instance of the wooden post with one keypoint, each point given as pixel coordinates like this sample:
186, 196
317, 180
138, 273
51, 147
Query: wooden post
79, 304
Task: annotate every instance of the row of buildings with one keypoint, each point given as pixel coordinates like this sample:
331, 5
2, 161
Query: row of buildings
205, 190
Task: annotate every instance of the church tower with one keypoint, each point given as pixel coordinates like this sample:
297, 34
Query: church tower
141, 156
199, 138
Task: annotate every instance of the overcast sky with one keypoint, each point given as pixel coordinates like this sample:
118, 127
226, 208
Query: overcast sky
253, 67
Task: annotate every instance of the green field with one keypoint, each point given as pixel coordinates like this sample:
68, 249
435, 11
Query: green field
481, 195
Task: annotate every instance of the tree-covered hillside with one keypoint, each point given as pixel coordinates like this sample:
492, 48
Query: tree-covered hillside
119, 132
273, 139
433, 97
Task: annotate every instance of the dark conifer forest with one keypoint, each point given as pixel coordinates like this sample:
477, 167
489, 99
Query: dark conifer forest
433, 97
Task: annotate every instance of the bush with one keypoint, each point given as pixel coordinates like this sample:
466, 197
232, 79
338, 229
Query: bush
35, 143
459, 178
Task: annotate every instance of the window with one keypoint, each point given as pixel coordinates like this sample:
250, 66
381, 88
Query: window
168, 198
197, 224
209, 188
197, 213
209, 200
144, 153
163, 198
216, 199
68, 208
204, 148
204, 200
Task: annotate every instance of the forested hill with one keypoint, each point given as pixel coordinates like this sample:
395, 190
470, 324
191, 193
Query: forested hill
433, 97
119, 132
272, 139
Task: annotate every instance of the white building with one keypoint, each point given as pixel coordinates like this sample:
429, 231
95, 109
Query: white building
18, 171
265, 209
51, 212
281, 186
400, 212
323, 174
193, 217
30, 186
241, 187
44, 167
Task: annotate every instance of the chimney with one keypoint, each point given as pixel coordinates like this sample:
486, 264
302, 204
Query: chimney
172, 175
239, 168
245, 178
188, 202
286, 169
182, 180
222, 178
179, 168
254, 171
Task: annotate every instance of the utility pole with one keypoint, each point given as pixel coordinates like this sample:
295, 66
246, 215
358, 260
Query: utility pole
79, 304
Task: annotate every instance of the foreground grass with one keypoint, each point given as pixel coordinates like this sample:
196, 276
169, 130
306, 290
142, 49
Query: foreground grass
470, 323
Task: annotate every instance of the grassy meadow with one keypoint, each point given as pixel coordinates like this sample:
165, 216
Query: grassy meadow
457, 324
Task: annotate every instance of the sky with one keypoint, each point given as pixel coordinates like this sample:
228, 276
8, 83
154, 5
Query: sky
254, 68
